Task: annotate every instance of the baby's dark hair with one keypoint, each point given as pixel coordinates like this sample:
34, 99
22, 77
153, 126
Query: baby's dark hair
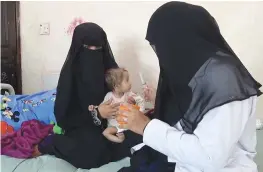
114, 77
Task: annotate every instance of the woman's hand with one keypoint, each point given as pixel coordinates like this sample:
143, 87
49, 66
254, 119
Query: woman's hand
149, 94
133, 120
108, 110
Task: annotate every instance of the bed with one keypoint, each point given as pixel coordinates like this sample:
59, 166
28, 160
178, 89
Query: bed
7, 89
44, 163
49, 163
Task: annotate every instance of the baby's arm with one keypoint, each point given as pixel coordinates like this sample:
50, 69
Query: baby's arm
107, 97
110, 134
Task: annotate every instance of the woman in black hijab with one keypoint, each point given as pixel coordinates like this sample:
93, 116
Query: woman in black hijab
80, 85
205, 103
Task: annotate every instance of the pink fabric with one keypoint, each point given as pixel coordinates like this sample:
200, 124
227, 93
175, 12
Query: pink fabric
20, 144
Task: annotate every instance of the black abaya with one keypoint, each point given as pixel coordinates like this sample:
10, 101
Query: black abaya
81, 84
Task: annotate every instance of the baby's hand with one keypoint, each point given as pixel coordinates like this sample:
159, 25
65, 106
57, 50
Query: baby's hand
131, 100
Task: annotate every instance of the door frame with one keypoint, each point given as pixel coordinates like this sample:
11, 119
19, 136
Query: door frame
14, 7
18, 51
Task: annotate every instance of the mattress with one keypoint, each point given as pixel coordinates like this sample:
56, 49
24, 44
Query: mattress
259, 157
49, 163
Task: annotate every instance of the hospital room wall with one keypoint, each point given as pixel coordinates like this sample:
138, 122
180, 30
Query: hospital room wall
125, 23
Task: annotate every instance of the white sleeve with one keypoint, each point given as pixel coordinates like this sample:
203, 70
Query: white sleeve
139, 100
107, 97
212, 143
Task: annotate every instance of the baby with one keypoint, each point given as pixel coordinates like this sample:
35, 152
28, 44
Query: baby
118, 82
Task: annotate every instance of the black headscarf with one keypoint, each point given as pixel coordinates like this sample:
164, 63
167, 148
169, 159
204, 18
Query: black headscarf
184, 37
81, 82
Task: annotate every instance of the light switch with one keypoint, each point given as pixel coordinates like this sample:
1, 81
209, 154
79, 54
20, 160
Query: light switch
44, 29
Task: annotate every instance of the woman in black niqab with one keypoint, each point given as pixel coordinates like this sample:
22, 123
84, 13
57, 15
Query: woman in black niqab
198, 73
81, 83
185, 37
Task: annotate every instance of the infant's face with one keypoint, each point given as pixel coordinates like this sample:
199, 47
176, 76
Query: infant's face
126, 84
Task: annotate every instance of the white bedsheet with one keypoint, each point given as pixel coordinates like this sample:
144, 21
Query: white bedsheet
49, 163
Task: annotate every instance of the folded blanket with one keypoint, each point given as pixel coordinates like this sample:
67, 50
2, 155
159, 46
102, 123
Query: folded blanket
20, 144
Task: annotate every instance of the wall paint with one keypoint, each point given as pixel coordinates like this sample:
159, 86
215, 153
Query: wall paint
241, 23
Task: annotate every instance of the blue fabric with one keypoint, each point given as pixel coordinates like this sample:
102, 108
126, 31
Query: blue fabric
22, 108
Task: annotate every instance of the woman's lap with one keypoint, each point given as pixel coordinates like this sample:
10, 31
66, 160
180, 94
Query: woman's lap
123, 150
81, 148
85, 149
148, 160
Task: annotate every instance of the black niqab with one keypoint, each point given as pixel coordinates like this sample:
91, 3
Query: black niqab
81, 81
184, 37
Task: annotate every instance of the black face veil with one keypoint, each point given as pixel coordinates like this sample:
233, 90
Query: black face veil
185, 37
81, 82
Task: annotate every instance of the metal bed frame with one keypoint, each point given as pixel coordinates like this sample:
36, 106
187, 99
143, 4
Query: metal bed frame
8, 87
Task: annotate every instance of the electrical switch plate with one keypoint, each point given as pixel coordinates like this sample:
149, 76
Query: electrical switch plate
44, 29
